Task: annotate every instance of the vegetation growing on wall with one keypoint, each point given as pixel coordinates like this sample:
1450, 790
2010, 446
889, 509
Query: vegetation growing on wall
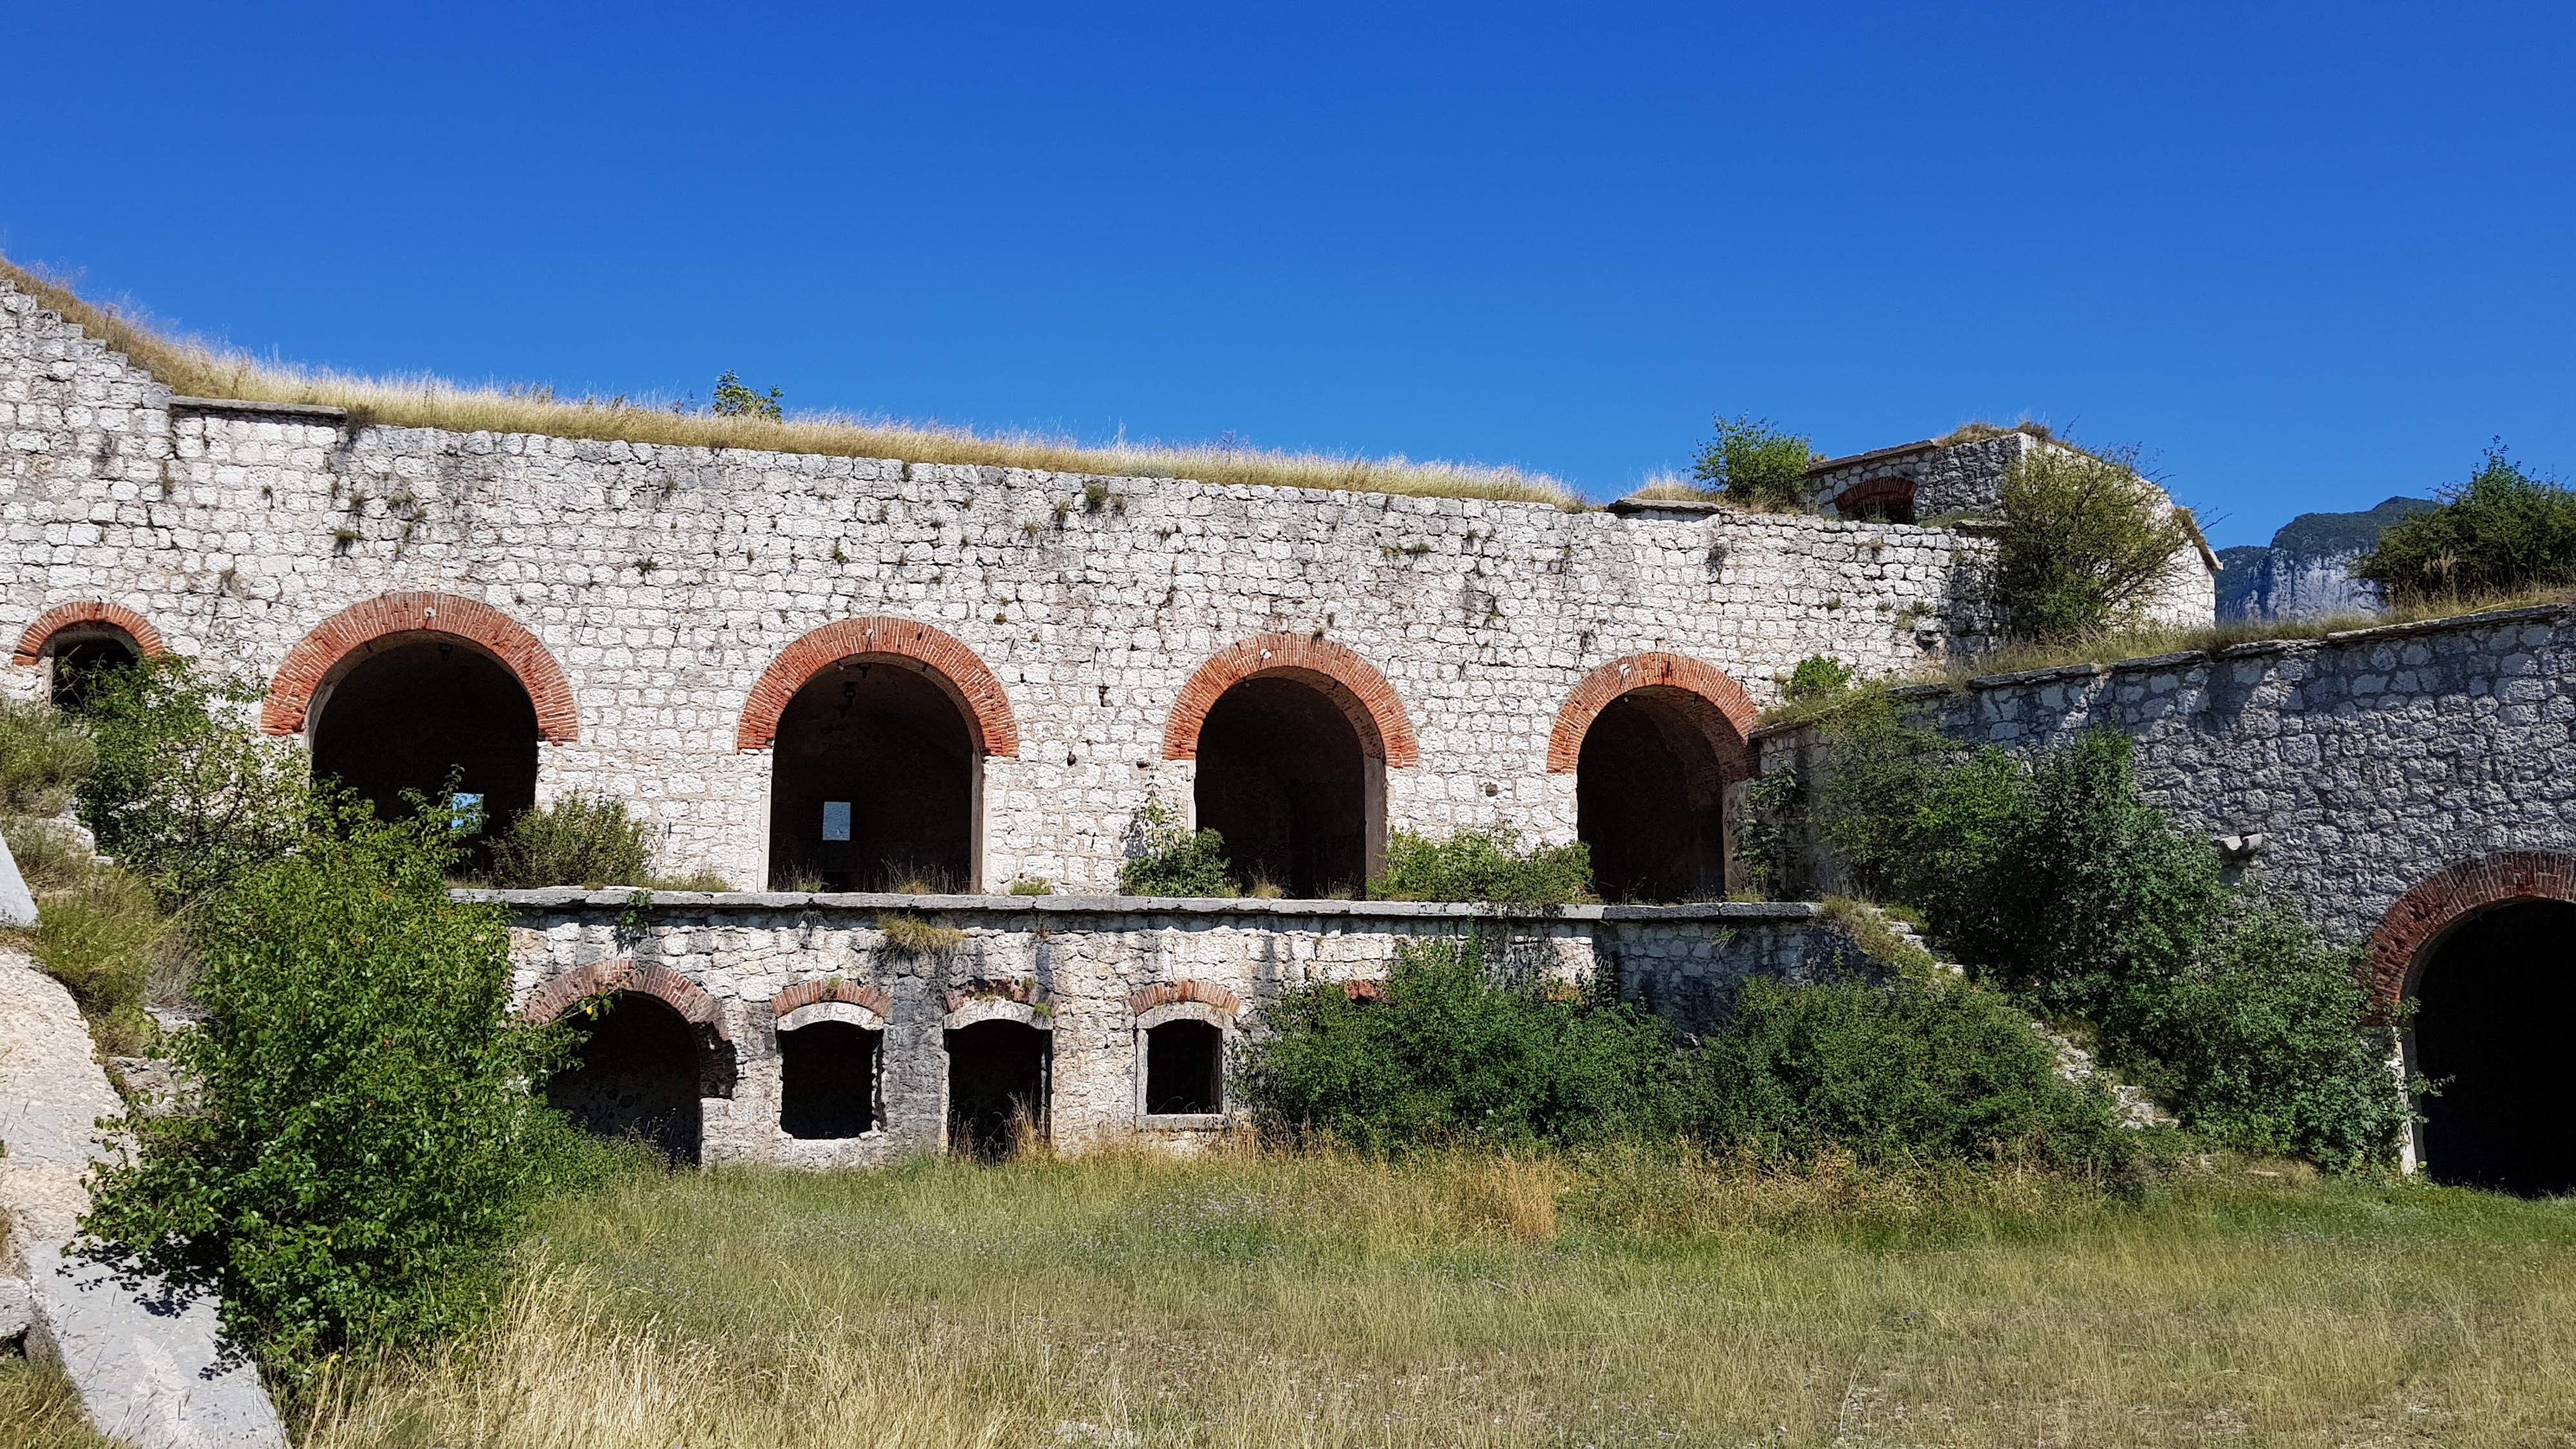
193, 367
1490, 867
2054, 881
2084, 543
1166, 859
1754, 463
2500, 533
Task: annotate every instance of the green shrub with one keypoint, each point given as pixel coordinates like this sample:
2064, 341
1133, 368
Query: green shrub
2085, 540
42, 756
1770, 836
366, 1138
1447, 1053
2499, 533
1488, 866
1904, 1071
186, 794
1756, 464
734, 400
2056, 882
1819, 676
579, 840
1170, 861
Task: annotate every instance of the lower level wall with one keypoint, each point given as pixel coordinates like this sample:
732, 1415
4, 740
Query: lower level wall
1090, 972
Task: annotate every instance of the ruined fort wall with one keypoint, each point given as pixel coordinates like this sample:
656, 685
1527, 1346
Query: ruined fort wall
1083, 963
2368, 762
664, 580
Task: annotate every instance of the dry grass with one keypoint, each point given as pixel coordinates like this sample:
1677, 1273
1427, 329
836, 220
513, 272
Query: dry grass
39, 1410
194, 367
1248, 1300
912, 934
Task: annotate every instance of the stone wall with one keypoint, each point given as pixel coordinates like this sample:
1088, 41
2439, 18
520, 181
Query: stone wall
659, 585
1083, 969
2348, 770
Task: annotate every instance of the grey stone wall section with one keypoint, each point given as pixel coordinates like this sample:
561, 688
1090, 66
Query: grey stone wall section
1088, 956
2367, 760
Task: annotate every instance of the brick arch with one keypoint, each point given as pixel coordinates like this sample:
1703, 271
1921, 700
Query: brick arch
2421, 917
31, 644
1351, 682
321, 655
940, 657
1726, 706
1166, 993
699, 1010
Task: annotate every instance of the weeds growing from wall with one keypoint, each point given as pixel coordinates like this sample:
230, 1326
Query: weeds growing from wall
1488, 867
1754, 463
579, 840
1165, 859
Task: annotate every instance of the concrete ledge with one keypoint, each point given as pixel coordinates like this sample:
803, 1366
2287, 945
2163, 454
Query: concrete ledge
1250, 911
314, 412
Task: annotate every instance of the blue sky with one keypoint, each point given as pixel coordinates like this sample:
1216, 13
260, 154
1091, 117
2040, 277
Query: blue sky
2306, 256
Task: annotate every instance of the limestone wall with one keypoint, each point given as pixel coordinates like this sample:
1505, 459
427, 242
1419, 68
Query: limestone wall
2368, 762
663, 581
1083, 964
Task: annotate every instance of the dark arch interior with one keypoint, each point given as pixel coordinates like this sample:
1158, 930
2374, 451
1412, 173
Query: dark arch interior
2494, 1009
637, 1078
830, 1075
997, 1076
1282, 777
878, 755
410, 715
1184, 1067
1648, 793
78, 660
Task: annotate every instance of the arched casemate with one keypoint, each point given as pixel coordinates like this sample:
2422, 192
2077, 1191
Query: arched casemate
70, 640
1652, 740
405, 691
1293, 737
878, 730
646, 1061
2485, 952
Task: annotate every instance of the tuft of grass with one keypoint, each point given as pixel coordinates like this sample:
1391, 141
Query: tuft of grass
43, 754
1328, 1298
1979, 432
196, 367
39, 1409
1876, 935
105, 940
914, 936
1028, 885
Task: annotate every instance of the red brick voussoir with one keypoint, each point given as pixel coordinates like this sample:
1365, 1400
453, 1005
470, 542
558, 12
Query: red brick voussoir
807, 993
705, 1019
947, 663
319, 655
1165, 993
31, 644
1351, 682
1644, 671
2396, 949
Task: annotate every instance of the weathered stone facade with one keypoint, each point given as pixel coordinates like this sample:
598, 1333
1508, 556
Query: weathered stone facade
1091, 974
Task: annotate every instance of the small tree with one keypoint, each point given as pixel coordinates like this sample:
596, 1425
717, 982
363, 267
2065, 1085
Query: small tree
1755, 463
1487, 866
2500, 532
362, 1138
584, 840
1167, 860
734, 400
2085, 540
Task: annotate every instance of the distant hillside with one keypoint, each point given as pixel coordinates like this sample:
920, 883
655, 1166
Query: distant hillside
2307, 572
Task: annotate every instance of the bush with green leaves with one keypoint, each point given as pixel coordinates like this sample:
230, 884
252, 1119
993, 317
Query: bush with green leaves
1754, 463
1446, 1053
364, 1139
1819, 676
2084, 542
2055, 881
186, 793
1490, 867
43, 756
1901, 1071
1168, 860
734, 400
579, 840
2501, 532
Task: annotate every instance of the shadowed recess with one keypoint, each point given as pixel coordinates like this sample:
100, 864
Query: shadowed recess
637, 1078
1281, 777
2494, 1012
408, 716
875, 783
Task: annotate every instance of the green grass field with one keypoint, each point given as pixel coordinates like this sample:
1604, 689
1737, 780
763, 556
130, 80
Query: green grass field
1248, 1300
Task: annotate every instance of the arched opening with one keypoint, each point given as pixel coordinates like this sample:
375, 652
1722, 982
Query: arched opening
1184, 1068
831, 1080
1649, 788
1282, 775
637, 1077
997, 1086
876, 769
416, 710
2493, 1003
80, 657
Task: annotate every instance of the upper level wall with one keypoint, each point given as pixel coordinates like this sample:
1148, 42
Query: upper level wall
664, 580
2368, 761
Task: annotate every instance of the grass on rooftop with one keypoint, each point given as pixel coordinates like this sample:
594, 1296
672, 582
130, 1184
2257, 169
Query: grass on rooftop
1454, 1300
194, 367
